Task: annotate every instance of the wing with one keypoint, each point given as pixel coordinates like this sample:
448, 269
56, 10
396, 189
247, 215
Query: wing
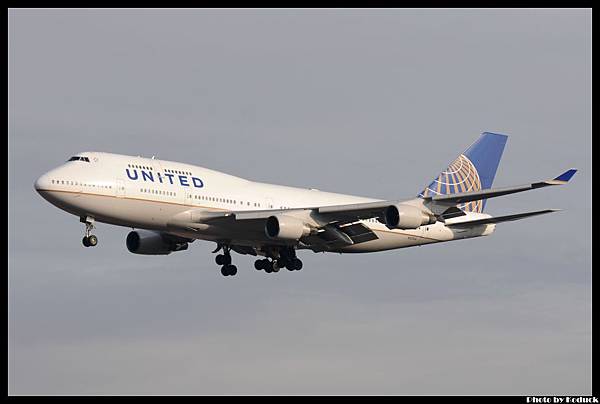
339, 225
458, 198
500, 219
331, 227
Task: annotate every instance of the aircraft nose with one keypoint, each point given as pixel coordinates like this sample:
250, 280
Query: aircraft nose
41, 183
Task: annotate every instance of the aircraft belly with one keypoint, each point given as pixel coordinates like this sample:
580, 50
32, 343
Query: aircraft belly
218, 233
389, 240
119, 211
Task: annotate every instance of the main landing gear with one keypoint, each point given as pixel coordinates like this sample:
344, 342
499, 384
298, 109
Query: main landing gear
89, 240
287, 259
276, 259
224, 259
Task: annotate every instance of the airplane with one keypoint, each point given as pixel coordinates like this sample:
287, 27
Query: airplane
169, 205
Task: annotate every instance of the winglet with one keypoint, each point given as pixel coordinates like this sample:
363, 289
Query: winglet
566, 176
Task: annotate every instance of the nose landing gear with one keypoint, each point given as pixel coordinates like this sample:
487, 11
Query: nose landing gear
89, 240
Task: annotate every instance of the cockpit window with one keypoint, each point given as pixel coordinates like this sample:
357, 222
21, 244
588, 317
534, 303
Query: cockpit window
79, 158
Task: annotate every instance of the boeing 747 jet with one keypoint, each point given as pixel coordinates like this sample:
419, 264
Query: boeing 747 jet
170, 204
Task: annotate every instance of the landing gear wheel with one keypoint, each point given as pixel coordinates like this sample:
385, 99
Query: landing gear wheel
89, 240
223, 259
294, 265
297, 264
276, 266
92, 241
227, 270
258, 264
268, 266
283, 262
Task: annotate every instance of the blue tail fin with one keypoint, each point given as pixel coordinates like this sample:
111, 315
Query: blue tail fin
473, 170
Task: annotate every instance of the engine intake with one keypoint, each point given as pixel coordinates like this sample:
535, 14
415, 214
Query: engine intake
282, 227
405, 217
148, 242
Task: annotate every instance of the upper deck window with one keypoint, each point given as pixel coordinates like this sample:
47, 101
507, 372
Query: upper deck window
79, 158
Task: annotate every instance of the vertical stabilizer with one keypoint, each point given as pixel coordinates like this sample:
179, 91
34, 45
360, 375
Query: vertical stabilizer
473, 170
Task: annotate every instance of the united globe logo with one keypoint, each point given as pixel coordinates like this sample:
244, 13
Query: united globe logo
460, 176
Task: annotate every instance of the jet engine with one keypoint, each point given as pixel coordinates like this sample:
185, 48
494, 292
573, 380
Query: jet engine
153, 243
282, 227
401, 216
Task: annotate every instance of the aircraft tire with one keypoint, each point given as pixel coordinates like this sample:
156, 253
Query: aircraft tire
297, 264
276, 266
92, 241
268, 267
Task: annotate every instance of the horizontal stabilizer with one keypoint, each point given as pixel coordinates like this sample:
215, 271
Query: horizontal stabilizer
454, 199
499, 219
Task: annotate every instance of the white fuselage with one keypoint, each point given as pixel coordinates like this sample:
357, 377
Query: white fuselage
147, 193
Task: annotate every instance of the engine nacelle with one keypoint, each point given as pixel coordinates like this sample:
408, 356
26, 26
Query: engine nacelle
405, 217
152, 243
282, 227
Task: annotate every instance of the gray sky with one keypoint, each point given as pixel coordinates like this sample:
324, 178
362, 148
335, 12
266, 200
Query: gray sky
366, 102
